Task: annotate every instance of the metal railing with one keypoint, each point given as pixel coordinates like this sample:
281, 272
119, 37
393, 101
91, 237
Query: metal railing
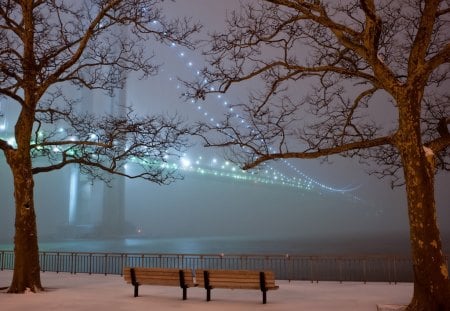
382, 268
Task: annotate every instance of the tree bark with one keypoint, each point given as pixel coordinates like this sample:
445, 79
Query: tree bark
26, 252
431, 282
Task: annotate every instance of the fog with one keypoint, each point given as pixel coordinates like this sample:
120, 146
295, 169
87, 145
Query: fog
207, 206
214, 204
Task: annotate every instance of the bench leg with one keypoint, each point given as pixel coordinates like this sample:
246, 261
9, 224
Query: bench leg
134, 282
208, 294
207, 287
262, 285
184, 293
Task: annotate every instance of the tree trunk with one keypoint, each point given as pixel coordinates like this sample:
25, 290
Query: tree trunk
431, 282
26, 252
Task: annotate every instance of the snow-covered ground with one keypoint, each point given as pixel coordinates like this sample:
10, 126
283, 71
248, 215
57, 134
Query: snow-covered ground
107, 293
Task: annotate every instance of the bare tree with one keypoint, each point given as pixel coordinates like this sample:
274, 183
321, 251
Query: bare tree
45, 45
322, 68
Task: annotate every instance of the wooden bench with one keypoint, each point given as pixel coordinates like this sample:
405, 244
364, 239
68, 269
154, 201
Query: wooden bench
235, 279
159, 276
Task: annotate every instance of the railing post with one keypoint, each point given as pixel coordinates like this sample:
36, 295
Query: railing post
73, 264
43, 262
340, 269
287, 266
202, 262
90, 264
364, 270
57, 262
395, 271
389, 269
106, 264
125, 263
180, 259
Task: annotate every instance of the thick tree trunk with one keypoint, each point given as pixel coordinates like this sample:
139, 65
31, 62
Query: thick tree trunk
26, 253
431, 281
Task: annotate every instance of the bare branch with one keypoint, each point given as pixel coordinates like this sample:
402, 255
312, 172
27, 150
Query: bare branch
320, 153
320, 69
106, 143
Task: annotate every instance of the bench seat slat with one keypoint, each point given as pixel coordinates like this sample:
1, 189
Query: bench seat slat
159, 282
159, 276
234, 285
232, 272
235, 279
228, 279
241, 285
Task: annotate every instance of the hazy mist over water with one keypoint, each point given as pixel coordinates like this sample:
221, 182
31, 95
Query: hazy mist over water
234, 245
214, 215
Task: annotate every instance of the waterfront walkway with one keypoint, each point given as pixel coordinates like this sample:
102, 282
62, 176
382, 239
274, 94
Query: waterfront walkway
105, 293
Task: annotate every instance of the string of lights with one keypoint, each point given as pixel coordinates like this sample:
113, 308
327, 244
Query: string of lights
220, 102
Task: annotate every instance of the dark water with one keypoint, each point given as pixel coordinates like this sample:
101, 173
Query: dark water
235, 245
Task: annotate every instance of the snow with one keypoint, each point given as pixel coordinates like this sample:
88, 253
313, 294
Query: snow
428, 152
100, 293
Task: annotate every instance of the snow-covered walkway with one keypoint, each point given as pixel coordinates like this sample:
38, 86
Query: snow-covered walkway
107, 293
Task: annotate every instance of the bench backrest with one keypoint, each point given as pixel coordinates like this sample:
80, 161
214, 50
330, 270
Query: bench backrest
245, 279
159, 276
